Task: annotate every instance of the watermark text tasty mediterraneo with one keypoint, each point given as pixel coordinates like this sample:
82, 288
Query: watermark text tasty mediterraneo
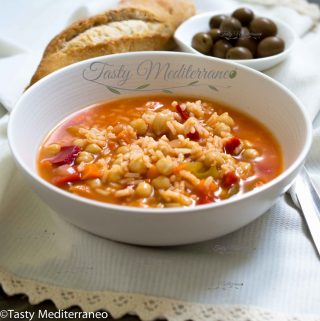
11, 314
115, 77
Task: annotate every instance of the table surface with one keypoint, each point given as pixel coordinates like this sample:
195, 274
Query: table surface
21, 303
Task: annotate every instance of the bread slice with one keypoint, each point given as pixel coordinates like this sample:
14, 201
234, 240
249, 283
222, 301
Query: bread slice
136, 25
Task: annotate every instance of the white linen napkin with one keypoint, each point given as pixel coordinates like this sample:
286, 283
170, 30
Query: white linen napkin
270, 264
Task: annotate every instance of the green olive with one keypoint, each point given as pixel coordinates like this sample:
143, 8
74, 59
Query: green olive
270, 46
202, 42
220, 48
263, 27
239, 53
230, 28
215, 21
244, 15
248, 43
215, 34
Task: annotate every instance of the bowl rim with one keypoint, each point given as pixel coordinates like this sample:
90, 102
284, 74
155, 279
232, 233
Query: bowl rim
239, 61
138, 210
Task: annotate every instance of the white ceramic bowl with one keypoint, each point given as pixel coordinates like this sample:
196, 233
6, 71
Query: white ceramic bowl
56, 96
200, 23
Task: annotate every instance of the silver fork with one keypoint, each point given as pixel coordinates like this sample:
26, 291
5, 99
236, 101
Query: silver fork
309, 201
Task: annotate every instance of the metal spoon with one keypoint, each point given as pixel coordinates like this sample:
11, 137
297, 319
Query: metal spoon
309, 201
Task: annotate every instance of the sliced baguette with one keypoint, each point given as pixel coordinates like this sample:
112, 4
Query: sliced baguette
137, 25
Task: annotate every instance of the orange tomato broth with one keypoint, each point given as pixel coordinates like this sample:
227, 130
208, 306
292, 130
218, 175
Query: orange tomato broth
266, 167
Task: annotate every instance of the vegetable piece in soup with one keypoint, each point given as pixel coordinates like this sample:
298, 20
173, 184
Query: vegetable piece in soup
159, 152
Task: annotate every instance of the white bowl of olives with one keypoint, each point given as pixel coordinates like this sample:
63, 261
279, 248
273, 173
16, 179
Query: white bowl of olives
254, 41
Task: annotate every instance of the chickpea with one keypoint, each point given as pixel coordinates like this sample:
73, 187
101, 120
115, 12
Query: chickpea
123, 149
137, 165
80, 142
225, 118
212, 119
143, 189
213, 158
53, 149
94, 183
93, 148
161, 182
165, 166
250, 153
221, 127
84, 157
115, 173
73, 130
244, 169
140, 126
159, 124
165, 149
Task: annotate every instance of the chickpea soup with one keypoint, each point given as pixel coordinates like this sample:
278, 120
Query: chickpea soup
156, 151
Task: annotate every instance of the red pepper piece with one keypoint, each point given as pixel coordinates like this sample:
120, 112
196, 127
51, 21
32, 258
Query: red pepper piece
205, 198
183, 113
229, 179
67, 155
194, 136
61, 180
231, 145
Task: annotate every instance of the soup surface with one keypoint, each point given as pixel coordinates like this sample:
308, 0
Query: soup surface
156, 151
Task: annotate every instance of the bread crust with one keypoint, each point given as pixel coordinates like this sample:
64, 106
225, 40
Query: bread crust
166, 15
173, 12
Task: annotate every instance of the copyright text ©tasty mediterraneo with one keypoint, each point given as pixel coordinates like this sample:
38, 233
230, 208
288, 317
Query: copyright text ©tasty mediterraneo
44, 314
